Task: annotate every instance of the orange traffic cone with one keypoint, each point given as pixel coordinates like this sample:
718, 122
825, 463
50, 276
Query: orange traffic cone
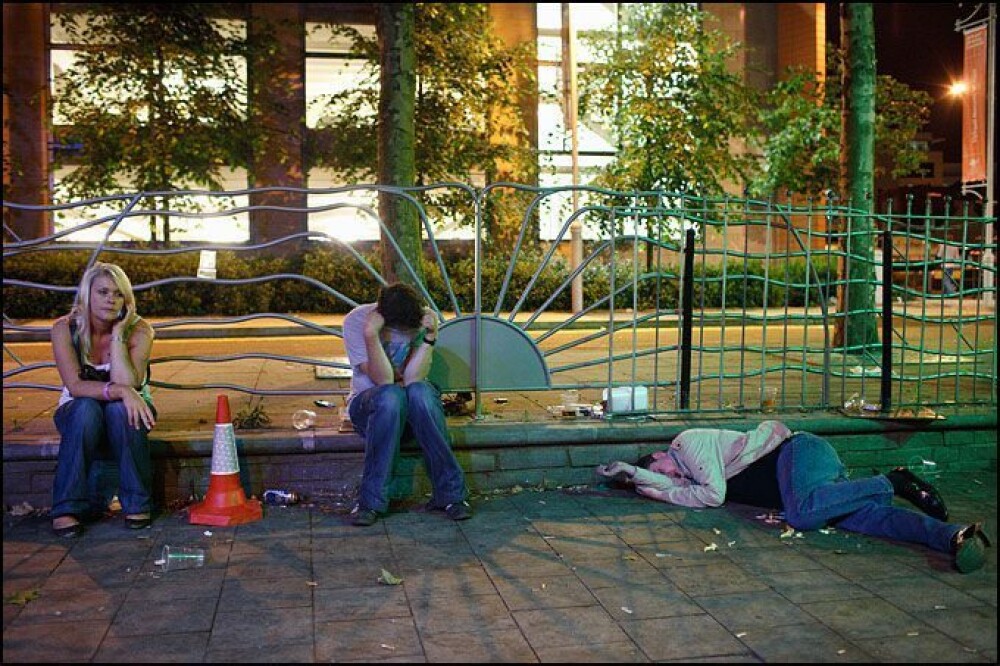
225, 503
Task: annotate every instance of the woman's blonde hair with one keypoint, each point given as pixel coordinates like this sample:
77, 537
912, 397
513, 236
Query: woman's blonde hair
80, 312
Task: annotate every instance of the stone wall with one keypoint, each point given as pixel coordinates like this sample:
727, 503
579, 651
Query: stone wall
503, 456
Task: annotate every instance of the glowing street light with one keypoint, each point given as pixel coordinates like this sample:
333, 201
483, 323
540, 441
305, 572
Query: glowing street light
958, 88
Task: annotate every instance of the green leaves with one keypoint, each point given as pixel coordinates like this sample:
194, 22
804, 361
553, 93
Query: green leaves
663, 86
22, 598
469, 121
800, 122
160, 105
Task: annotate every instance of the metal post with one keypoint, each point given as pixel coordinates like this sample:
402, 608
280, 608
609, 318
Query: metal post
885, 396
989, 259
687, 308
571, 102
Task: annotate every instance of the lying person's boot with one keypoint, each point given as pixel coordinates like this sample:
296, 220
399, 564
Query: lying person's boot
968, 548
918, 492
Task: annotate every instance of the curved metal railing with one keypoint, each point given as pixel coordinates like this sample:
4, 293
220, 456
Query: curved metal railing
750, 321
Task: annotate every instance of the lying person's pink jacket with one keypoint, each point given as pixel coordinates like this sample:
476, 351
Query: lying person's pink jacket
708, 457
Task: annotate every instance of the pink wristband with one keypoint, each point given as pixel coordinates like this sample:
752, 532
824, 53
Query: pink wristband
107, 391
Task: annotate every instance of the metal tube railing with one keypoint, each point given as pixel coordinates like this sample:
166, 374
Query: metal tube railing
730, 261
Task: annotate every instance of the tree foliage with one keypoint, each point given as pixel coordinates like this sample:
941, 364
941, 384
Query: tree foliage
683, 121
800, 139
470, 88
661, 84
156, 97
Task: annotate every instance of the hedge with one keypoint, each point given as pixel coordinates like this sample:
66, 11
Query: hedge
737, 284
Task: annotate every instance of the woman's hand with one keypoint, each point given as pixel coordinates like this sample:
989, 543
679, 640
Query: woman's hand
138, 410
120, 329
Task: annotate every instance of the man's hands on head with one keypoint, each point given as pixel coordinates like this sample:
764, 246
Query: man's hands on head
429, 323
375, 324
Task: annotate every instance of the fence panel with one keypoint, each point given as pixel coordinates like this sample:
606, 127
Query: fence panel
698, 306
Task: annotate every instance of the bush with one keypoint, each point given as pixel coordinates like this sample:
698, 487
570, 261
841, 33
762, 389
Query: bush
334, 266
739, 285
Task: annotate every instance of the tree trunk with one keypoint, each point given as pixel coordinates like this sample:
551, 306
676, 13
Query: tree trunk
858, 141
278, 103
396, 140
25, 132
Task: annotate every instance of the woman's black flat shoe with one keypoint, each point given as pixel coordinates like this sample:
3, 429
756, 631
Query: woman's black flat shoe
69, 531
138, 523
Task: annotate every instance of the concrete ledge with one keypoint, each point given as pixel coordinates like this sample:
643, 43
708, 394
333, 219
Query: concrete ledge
497, 455
475, 435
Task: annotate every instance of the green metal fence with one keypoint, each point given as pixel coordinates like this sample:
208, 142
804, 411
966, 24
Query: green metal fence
689, 305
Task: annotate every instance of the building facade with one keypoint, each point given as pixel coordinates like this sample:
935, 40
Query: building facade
775, 35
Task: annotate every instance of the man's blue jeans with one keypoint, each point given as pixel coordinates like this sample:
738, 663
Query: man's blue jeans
85, 424
816, 492
383, 415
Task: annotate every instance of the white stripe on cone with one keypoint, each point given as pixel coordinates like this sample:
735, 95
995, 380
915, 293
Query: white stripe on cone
224, 459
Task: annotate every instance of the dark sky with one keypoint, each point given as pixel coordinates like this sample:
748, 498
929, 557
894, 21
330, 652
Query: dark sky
917, 44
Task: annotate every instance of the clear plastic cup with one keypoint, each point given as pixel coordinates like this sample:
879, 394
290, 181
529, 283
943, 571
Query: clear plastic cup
182, 557
570, 397
304, 418
768, 399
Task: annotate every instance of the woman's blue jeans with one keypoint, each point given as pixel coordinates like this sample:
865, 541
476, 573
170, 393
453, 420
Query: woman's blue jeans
85, 424
816, 492
383, 415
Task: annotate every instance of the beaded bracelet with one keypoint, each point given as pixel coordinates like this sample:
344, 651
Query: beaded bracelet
107, 391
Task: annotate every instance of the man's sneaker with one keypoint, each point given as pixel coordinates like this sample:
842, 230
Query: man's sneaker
363, 517
458, 511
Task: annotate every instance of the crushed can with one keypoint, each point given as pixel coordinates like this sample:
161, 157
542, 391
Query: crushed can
281, 497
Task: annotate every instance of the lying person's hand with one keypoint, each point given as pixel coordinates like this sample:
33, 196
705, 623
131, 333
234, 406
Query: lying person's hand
617, 471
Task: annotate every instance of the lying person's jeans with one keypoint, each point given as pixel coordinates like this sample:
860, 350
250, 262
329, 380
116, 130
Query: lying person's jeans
384, 415
816, 492
85, 424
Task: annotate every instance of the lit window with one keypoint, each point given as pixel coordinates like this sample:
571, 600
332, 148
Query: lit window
201, 226
594, 147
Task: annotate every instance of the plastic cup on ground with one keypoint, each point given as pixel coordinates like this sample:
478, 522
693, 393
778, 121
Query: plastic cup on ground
182, 557
304, 418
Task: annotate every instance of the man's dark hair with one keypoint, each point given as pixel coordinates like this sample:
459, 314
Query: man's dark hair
400, 305
645, 461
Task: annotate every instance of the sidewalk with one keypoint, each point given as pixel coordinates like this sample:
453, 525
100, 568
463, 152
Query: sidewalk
577, 575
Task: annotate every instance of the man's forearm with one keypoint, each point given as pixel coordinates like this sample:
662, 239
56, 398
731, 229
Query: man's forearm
379, 368
419, 366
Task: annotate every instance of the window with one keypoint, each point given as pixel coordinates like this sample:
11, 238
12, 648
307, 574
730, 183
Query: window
64, 56
594, 147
